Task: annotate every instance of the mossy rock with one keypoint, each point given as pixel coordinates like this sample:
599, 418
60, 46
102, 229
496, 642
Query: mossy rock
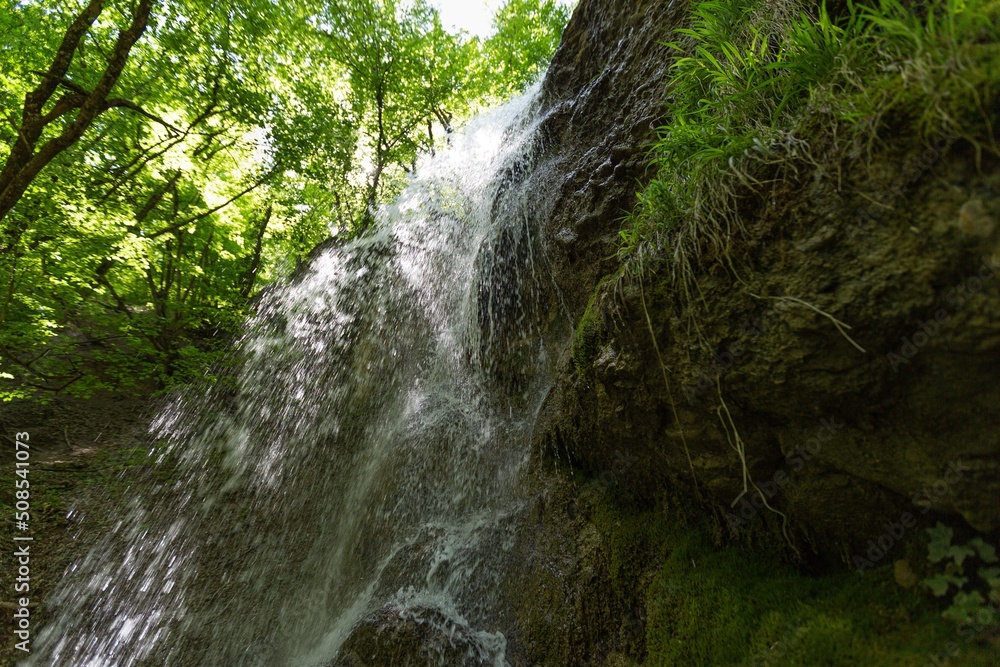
416, 637
591, 331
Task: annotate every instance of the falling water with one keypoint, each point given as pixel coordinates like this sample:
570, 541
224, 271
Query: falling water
371, 457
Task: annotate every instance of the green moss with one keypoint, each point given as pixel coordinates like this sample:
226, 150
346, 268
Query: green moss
587, 337
633, 540
585, 340
707, 604
729, 606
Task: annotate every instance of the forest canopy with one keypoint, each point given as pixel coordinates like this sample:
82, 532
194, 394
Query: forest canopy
161, 161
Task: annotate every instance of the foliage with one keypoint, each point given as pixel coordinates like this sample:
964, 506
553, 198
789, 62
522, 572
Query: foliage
526, 33
706, 603
973, 584
760, 90
233, 137
136, 236
404, 72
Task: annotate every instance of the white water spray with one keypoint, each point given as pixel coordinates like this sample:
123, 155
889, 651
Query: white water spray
368, 463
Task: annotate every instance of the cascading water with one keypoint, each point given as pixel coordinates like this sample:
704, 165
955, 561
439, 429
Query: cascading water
370, 458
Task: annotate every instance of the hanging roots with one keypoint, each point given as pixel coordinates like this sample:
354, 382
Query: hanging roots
841, 326
736, 442
666, 382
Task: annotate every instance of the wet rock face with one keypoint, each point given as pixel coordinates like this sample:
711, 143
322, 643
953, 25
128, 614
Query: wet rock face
857, 360
601, 100
604, 92
766, 368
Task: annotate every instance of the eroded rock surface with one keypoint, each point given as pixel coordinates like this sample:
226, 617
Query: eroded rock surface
898, 258
849, 364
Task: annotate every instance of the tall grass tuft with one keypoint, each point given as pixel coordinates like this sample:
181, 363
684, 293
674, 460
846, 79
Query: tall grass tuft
762, 90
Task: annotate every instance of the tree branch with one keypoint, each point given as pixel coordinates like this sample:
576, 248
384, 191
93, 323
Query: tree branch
23, 163
118, 102
204, 214
81, 94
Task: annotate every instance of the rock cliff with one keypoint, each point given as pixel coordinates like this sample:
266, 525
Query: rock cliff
832, 389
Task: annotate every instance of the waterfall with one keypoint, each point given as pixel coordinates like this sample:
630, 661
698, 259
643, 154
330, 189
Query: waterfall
369, 458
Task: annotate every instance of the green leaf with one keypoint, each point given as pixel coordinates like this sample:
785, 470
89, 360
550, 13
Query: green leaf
991, 575
964, 607
940, 544
940, 583
959, 553
987, 553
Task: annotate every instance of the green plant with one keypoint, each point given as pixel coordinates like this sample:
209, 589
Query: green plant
970, 573
712, 604
765, 92
769, 96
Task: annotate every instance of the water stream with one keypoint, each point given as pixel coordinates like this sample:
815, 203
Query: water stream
370, 458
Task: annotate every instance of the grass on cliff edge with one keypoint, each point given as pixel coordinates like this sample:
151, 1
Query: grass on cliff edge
764, 93
706, 605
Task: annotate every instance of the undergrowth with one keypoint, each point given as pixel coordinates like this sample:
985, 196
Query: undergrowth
712, 606
712, 603
765, 93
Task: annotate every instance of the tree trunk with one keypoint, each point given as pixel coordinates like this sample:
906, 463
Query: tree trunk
250, 278
368, 218
25, 162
